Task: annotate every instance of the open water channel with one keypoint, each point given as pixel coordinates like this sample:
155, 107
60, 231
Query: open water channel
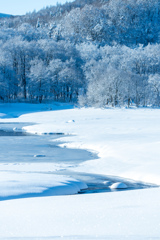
29, 148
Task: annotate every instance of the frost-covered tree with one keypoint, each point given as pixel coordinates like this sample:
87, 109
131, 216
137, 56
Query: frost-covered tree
104, 53
154, 80
38, 86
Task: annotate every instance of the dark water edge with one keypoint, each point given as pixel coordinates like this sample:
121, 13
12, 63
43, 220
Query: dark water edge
17, 139
98, 183
4, 133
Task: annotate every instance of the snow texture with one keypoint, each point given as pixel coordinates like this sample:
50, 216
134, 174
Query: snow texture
127, 144
118, 185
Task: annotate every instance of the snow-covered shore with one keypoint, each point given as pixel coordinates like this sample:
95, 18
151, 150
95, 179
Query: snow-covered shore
127, 143
118, 216
126, 140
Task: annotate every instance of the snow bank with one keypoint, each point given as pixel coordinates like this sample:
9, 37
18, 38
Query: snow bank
118, 185
129, 215
126, 140
20, 183
127, 143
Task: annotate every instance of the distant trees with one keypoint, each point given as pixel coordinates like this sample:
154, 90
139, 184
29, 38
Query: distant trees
123, 76
103, 53
39, 70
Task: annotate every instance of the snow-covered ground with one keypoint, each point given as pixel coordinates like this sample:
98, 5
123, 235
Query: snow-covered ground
127, 143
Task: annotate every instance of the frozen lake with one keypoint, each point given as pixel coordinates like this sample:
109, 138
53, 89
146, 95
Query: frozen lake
24, 148
36, 148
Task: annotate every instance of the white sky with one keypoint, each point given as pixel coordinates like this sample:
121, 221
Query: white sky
20, 7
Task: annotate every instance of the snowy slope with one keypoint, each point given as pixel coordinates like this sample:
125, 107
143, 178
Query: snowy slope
127, 143
131, 215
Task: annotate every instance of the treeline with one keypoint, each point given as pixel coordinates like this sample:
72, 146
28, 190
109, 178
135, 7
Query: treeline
103, 53
39, 70
121, 76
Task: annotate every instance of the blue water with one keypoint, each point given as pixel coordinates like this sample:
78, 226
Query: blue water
21, 147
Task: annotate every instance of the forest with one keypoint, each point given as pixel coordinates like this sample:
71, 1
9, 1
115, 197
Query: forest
93, 52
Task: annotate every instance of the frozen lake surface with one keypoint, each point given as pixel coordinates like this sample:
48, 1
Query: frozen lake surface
24, 148
31, 148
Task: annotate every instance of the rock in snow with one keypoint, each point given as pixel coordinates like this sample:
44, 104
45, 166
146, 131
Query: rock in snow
119, 185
